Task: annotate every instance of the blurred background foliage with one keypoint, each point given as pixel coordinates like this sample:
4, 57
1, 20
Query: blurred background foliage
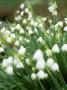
40, 7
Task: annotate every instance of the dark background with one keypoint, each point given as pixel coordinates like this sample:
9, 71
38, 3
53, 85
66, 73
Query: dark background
40, 7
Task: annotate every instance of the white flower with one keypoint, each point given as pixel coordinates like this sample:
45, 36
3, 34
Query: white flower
29, 16
64, 47
35, 24
18, 27
1, 49
22, 6
48, 31
54, 13
55, 48
32, 22
17, 43
38, 55
49, 62
12, 29
9, 39
0, 22
17, 12
50, 21
13, 36
27, 61
36, 30
49, 52
10, 60
30, 31
22, 50
7, 32
40, 39
65, 22
65, 28
44, 19
52, 8
18, 63
28, 27
33, 76
65, 19
4, 63
18, 18
60, 24
40, 64
20, 38
22, 13
55, 67
26, 10
9, 70
40, 25
27, 40
7, 62
24, 21
3, 30
42, 75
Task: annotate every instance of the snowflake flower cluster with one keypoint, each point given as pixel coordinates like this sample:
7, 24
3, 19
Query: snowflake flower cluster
41, 65
30, 43
52, 8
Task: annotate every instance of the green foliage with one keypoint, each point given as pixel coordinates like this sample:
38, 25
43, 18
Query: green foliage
20, 40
